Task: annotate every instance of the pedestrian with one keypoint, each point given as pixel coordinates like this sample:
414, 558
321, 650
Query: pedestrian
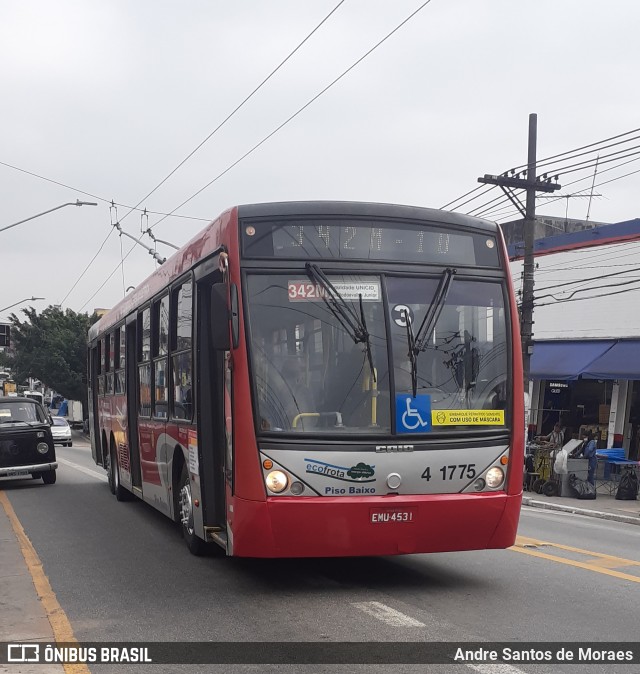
589, 452
555, 439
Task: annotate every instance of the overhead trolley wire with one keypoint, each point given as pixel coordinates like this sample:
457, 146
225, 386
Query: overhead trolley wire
241, 104
312, 100
304, 107
95, 196
224, 121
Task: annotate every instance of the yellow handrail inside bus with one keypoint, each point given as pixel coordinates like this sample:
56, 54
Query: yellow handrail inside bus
303, 415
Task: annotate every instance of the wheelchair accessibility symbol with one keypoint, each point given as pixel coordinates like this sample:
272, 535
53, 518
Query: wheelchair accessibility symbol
413, 415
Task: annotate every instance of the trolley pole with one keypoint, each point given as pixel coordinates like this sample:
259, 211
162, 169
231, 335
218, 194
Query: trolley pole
531, 184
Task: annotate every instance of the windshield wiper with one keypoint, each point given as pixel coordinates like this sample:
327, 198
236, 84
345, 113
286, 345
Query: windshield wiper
355, 326
418, 342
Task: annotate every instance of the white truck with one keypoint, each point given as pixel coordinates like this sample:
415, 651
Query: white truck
71, 410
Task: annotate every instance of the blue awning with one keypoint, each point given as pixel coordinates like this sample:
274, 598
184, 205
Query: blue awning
566, 359
621, 361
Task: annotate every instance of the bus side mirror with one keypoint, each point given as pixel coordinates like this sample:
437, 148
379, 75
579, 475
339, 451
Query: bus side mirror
219, 318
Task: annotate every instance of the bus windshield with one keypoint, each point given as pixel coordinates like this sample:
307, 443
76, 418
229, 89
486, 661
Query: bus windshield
313, 375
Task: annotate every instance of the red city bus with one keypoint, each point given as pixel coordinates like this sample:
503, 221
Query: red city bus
319, 379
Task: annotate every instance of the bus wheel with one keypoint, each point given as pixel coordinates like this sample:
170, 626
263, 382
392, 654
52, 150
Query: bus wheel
116, 488
110, 478
185, 511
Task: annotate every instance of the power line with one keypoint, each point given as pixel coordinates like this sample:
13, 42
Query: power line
544, 161
224, 121
95, 196
577, 149
592, 297
492, 212
241, 104
590, 152
337, 79
304, 107
475, 189
590, 163
587, 280
86, 268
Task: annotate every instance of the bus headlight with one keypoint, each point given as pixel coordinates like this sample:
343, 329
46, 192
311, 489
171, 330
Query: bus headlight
276, 481
494, 477
43, 447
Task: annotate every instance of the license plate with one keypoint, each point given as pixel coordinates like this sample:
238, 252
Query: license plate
16, 473
393, 515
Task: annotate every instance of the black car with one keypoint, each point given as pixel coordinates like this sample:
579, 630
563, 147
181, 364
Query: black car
26, 444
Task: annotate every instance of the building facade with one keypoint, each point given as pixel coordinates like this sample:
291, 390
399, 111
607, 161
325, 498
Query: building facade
585, 365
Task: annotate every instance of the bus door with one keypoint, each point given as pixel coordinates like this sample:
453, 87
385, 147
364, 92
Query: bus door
94, 419
210, 400
132, 403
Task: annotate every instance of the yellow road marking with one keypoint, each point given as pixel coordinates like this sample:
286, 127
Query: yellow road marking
599, 562
62, 630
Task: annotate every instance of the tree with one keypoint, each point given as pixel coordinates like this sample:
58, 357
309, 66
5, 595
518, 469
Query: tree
52, 347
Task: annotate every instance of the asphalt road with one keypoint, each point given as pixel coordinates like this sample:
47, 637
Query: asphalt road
122, 573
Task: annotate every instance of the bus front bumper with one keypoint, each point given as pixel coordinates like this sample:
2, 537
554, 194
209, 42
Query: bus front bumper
372, 526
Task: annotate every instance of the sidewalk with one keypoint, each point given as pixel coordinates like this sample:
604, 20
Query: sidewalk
22, 615
604, 506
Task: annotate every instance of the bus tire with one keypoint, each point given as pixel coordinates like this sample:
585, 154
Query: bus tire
195, 545
116, 488
49, 477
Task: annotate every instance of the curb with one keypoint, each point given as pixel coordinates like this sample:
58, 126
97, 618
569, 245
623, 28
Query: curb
627, 519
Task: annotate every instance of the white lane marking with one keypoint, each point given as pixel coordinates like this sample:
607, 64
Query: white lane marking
387, 614
496, 668
82, 469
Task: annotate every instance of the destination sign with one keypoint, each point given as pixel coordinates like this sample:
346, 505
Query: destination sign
371, 240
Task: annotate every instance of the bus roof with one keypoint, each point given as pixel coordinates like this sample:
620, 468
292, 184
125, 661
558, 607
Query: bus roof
358, 208
208, 240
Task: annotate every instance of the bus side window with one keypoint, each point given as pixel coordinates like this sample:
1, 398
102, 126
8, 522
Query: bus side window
160, 334
180, 331
144, 366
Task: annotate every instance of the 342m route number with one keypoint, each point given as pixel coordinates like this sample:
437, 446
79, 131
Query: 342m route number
460, 472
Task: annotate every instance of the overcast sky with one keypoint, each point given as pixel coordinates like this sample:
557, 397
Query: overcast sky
108, 97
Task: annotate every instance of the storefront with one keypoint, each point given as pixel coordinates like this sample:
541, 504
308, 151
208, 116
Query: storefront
585, 362
588, 384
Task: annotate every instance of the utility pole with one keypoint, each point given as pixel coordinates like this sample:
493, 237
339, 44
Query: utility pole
531, 185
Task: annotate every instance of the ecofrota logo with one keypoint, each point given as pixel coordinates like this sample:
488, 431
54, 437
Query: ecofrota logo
358, 473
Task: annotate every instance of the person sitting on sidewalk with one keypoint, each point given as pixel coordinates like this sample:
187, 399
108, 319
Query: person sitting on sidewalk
588, 450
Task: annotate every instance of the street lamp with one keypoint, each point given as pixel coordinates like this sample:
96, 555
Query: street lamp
26, 299
71, 203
